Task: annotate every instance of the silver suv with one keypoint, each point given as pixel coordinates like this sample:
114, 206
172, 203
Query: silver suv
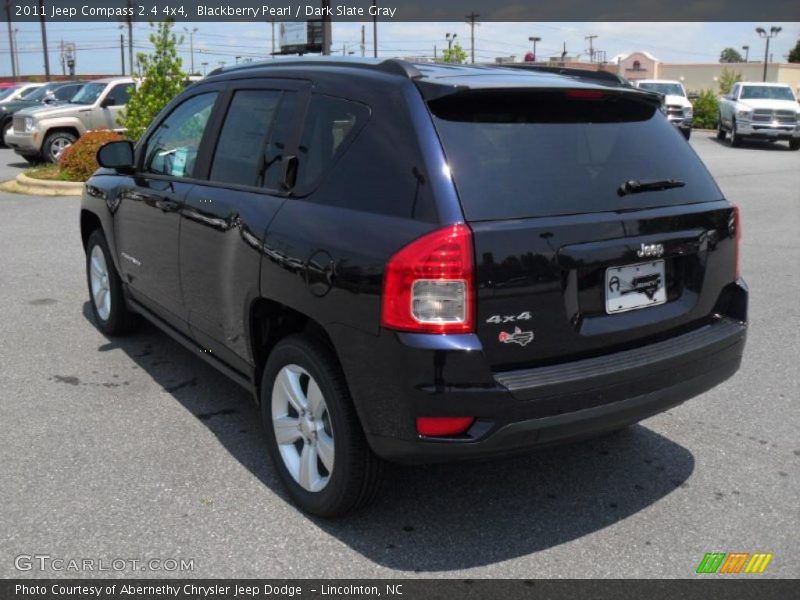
43, 133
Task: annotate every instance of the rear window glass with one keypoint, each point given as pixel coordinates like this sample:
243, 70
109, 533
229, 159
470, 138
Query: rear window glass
529, 154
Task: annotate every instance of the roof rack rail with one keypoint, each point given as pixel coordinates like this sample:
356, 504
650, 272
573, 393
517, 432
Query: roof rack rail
599, 76
392, 66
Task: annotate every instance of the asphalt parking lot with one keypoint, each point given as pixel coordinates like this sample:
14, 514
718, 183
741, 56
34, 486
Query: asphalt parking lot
135, 448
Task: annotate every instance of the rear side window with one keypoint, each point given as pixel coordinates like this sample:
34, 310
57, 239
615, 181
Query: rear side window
330, 124
66, 92
529, 154
240, 148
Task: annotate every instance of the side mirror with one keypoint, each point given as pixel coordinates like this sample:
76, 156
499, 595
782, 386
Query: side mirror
117, 155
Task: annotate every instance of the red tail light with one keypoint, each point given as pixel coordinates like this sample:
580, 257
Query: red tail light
428, 286
443, 426
737, 223
585, 94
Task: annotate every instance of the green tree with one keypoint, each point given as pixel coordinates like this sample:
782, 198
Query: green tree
727, 79
730, 55
706, 110
162, 79
794, 53
456, 54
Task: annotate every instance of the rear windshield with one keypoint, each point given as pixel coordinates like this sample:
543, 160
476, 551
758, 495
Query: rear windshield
529, 154
766, 92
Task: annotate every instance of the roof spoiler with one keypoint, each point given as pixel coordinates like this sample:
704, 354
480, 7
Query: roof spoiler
603, 77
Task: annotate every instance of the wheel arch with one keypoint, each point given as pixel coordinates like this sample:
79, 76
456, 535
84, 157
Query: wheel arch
89, 222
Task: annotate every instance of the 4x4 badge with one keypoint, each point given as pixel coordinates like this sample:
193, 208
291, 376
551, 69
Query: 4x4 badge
523, 338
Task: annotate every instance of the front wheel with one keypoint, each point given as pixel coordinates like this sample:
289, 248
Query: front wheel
736, 139
687, 133
313, 435
105, 288
7, 128
56, 143
794, 144
721, 133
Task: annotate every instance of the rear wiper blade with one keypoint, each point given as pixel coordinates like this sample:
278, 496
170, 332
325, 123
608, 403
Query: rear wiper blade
635, 186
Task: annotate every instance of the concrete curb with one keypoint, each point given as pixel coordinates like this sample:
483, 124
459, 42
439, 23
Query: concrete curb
23, 184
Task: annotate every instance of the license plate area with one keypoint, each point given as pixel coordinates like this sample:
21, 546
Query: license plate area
631, 287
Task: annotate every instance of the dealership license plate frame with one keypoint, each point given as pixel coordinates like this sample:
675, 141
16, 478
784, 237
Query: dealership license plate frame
624, 294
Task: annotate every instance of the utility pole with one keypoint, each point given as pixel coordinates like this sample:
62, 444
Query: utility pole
472, 19
773, 32
129, 20
191, 33
122, 52
63, 60
591, 46
363, 39
11, 43
44, 42
326, 28
746, 53
16, 54
273, 38
374, 29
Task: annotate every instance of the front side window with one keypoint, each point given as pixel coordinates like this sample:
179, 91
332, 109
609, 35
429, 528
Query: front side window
329, 123
172, 149
89, 93
120, 94
240, 148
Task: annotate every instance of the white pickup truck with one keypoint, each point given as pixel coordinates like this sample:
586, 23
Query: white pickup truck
766, 111
676, 104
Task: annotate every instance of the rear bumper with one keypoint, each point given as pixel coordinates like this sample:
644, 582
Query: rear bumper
544, 405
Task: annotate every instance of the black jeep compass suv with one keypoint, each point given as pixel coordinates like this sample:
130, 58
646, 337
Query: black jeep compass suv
420, 262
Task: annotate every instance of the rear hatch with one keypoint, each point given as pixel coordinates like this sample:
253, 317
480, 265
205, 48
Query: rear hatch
596, 226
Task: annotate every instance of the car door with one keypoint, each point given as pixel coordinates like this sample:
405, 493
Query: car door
147, 218
105, 115
225, 218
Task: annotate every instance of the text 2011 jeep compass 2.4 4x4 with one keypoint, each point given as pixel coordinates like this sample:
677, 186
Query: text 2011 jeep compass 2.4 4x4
420, 263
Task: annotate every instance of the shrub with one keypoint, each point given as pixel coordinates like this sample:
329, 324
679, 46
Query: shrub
79, 161
706, 110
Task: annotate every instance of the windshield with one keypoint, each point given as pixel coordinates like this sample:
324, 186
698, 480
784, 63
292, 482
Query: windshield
766, 92
6, 92
544, 153
89, 93
668, 89
39, 93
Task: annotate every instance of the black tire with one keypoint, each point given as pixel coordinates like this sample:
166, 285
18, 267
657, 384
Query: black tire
687, 133
355, 478
55, 140
119, 319
721, 133
794, 144
31, 160
736, 139
7, 127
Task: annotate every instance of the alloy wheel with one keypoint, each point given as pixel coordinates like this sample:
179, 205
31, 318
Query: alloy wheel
303, 429
101, 289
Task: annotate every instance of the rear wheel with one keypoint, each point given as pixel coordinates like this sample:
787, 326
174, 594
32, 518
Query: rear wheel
105, 288
794, 144
736, 139
56, 143
313, 435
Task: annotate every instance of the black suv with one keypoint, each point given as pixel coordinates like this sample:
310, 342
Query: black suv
420, 262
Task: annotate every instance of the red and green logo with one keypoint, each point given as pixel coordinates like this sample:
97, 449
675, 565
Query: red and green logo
734, 562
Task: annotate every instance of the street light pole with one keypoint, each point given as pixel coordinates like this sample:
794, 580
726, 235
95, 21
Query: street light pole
191, 33
11, 44
534, 39
44, 42
773, 32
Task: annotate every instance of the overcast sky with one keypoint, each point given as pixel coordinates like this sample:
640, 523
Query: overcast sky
98, 43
